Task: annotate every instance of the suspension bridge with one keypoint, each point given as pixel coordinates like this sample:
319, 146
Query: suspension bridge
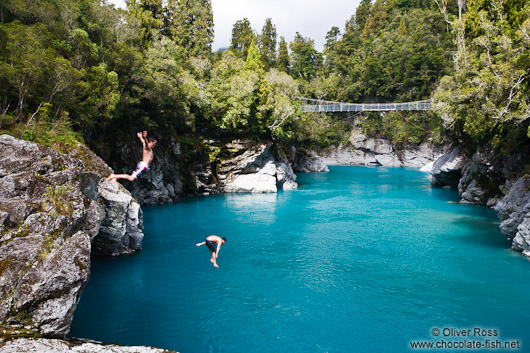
321, 106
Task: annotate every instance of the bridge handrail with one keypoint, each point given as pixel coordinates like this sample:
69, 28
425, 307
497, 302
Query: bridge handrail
331, 106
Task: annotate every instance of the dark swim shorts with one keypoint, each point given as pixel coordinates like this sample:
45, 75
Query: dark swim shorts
211, 245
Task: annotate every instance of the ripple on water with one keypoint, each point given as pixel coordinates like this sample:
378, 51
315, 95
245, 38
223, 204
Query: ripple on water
356, 260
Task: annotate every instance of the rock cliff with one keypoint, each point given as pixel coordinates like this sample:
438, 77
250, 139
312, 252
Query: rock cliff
364, 150
163, 183
496, 181
254, 167
309, 162
54, 211
207, 167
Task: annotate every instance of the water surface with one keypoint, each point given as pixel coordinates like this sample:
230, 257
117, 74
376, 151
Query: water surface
356, 260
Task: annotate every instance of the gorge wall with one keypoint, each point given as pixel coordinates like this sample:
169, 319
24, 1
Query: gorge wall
365, 150
491, 179
206, 167
55, 211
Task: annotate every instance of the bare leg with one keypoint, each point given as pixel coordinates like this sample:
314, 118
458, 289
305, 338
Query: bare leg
114, 177
199, 244
214, 260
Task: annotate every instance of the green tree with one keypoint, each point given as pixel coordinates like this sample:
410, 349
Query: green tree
232, 91
149, 14
242, 36
99, 98
283, 62
486, 100
376, 21
190, 24
361, 15
331, 38
306, 61
267, 42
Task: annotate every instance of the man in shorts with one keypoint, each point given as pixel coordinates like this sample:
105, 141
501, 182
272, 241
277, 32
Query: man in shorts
213, 242
148, 143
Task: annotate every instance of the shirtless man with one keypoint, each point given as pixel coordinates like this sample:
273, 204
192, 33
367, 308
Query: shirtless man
148, 143
213, 242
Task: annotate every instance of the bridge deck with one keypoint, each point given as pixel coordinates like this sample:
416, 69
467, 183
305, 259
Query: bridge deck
327, 106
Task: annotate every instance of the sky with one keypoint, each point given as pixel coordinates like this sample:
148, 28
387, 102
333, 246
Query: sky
312, 18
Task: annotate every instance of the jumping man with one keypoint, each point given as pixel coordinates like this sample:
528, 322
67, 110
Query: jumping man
148, 143
213, 242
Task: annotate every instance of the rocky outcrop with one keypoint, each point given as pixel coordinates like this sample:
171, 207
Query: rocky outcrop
481, 180
309, 162
514, 214
121, 227
521, 241
514, 207
44, 248
255, 167
50, 213
71, 346
447, 168
163, 182
485, 179
364, 150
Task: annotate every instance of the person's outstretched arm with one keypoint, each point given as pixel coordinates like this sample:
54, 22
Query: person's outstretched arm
142, 137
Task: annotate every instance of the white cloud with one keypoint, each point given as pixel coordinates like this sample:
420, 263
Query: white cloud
312, 18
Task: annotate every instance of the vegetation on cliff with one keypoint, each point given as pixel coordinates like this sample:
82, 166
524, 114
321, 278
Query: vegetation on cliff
486, 98
83, 70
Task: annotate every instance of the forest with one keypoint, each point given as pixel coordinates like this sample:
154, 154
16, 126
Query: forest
83, 70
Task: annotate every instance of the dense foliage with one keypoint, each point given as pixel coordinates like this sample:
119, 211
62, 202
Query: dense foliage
74, 69
487, 99
82, 69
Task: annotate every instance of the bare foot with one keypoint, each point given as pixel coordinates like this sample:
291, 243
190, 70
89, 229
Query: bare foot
111, 178
216, 265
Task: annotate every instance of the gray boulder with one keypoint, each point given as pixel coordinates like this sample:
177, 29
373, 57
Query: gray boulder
521, 242
120, 232
309, 162
514, 207
447, 168
480, 179
71, 346
365, 150
255, 168
44, 252
419, 156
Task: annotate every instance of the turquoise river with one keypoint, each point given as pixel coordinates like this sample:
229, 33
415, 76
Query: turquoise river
359, 259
